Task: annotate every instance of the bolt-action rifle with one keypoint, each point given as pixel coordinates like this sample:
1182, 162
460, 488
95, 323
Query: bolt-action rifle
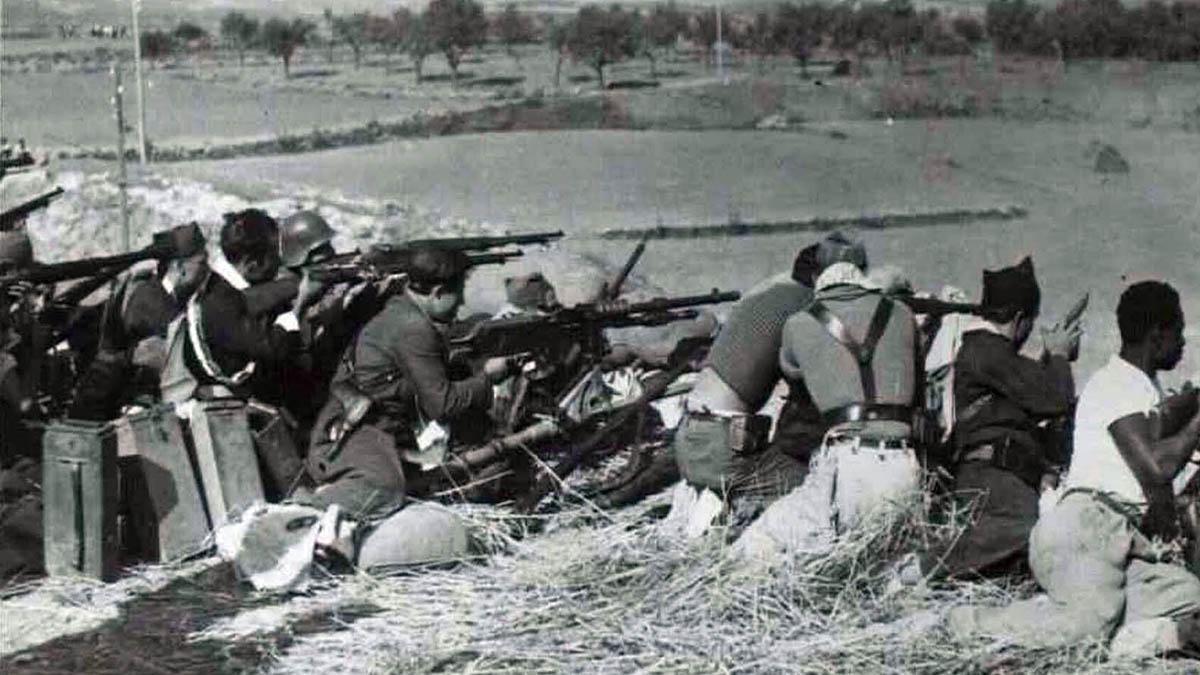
10, 217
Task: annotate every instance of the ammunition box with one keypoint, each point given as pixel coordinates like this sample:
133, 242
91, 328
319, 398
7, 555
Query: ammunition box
79, 492
279, 460
160, 485
226, 458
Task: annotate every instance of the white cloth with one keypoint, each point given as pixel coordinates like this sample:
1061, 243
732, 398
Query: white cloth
221, 266
842, 274
1117, 390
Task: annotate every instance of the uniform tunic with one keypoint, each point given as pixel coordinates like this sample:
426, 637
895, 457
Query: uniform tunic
1000, 396
399, 360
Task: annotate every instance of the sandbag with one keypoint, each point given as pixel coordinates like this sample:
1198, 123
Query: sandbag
418, 534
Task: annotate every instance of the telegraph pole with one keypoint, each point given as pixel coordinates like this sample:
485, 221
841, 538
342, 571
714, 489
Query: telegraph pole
719, 47
122, 181
141, 82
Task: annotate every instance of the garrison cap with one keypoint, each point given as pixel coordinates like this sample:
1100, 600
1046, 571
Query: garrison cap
187, 240
1009, 290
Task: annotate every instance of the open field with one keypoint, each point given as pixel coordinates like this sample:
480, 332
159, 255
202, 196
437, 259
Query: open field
1086, 231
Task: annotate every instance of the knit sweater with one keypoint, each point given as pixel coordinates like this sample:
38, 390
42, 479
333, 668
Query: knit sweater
746, 352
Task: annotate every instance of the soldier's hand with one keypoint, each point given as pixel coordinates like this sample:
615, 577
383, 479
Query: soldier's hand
499, 368
310, 291
1062, 340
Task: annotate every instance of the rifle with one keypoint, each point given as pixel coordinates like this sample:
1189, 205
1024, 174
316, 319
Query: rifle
612, 290
477, 243
162, 247
583, 323
546, 481
10, 217
937, 308
377, 264
1076, 310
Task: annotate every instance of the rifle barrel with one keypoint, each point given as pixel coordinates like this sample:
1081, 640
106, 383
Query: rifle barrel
613, 290
497, 258
482, 243
76, 269
935, 307
14, 215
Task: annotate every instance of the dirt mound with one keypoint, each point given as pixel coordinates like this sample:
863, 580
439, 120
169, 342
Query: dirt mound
1110, 160
86, 221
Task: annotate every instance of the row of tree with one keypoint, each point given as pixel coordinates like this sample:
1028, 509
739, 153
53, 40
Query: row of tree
600, 36
1077, 29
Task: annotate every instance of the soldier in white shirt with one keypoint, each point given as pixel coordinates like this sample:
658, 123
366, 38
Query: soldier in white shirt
1098, 551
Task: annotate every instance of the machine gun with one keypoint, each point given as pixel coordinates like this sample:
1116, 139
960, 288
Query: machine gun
10, 217
376, 264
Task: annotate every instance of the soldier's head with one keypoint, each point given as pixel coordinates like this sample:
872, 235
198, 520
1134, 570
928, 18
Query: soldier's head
531, 292
16, 251
250, 242
436, 279
304, 237
1151, 322
837, 247
185, 270
1012, 299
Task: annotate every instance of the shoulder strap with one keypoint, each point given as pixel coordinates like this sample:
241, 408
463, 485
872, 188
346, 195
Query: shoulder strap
864, 352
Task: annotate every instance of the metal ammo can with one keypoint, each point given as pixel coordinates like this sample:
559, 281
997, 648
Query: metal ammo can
160, 485
79, 492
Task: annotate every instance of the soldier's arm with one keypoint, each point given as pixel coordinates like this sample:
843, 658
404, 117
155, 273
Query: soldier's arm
231, 329
1043, 389
419, 352
1154, 461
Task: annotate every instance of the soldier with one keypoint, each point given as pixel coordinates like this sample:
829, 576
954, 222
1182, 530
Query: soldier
16, 253
225, 340
305, 238
221, 349
720, 441
855, 351
133, 329
392, 396
1097, 550
1006, 408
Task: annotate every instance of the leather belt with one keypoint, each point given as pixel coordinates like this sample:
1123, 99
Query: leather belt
868, 412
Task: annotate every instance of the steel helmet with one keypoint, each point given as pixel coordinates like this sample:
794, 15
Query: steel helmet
16, 251
300, 234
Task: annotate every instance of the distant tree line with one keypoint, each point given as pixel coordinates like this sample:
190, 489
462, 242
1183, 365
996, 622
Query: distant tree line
599, 36
1081, 29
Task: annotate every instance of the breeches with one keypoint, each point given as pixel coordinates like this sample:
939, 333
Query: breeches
849, 480
365, 477
1080, 555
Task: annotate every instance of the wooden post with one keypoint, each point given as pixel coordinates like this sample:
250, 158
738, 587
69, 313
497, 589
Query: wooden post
122, 181
141, 83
